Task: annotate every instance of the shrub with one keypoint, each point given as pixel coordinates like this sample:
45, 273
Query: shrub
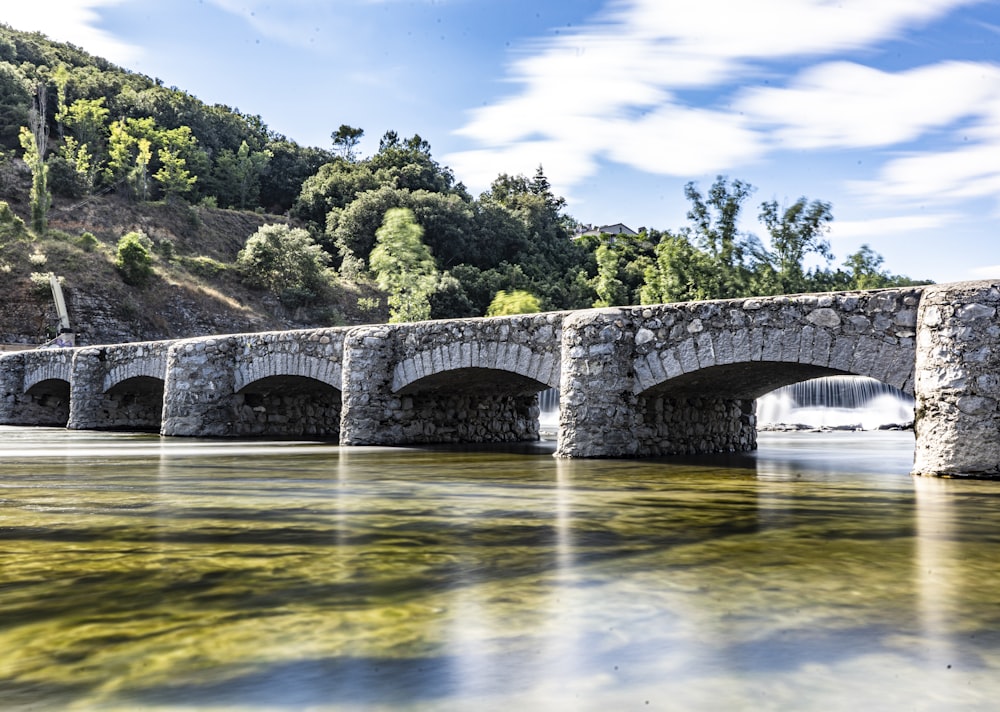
204, 266
40, 285
285, 261
10, 224
133, 260
87, 242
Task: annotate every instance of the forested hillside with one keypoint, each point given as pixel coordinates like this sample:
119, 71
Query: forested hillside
133, 192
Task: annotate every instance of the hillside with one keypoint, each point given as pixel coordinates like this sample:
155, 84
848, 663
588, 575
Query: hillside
195, 290
121, 155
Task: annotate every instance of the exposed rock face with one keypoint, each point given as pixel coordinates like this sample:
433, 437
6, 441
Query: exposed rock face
958, 380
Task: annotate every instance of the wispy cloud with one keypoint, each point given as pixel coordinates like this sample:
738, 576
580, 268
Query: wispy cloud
847, 105
76, 21
620, 89
877, 228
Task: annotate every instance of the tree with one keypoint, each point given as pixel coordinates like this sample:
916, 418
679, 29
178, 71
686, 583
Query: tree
34, 140
285, 261
795, 232
403, 266
680, 273
173, 176
87, 120
516, 302
345, 141
139, 175
610, 290
237, 176
715, 229
71, 169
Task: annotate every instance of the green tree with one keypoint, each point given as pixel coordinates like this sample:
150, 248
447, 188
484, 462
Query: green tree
346, 140
237, 176
715, 230
71, 169
681, 272
133, 259
403, 266
34, 140
174, 178
516, 302
15, 100
87, 119
795, 232
285, 261
611, 291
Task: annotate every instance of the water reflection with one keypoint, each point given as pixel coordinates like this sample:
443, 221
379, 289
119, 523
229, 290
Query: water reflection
141, 573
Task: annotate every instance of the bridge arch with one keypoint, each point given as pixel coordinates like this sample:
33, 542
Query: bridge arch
468, 381
288, 405
133, 403
470, 361
49, 400
53, 370
321, 369
692, 372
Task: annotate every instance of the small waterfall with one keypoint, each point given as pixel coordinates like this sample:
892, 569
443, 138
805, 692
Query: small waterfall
548, 418
835, 402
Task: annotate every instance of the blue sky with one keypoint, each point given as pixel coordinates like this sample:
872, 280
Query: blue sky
888, 109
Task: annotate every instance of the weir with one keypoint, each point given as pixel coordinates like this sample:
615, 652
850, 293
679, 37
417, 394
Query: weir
632, 381
844, 402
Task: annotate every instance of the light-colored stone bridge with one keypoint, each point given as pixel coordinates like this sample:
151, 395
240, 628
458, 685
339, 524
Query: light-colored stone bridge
634, 381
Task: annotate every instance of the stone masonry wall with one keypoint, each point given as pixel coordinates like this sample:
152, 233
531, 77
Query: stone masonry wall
689, 426
957, 419
275, 383
119, 387
491, 372
733, 350
35, 387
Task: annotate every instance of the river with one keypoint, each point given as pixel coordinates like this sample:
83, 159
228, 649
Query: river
169, 574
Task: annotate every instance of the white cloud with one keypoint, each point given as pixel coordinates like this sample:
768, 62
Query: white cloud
877, 228
613, 88
841, 104
75, 21
683, 141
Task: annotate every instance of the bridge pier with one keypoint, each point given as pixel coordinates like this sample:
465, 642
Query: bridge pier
200, 388
279, 384
957, 385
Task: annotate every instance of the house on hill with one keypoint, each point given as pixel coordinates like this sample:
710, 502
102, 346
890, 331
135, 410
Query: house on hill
616, 229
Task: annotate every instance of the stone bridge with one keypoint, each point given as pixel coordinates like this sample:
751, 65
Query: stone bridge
634, 381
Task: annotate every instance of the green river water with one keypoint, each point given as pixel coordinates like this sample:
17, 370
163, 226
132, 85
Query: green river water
140, 573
